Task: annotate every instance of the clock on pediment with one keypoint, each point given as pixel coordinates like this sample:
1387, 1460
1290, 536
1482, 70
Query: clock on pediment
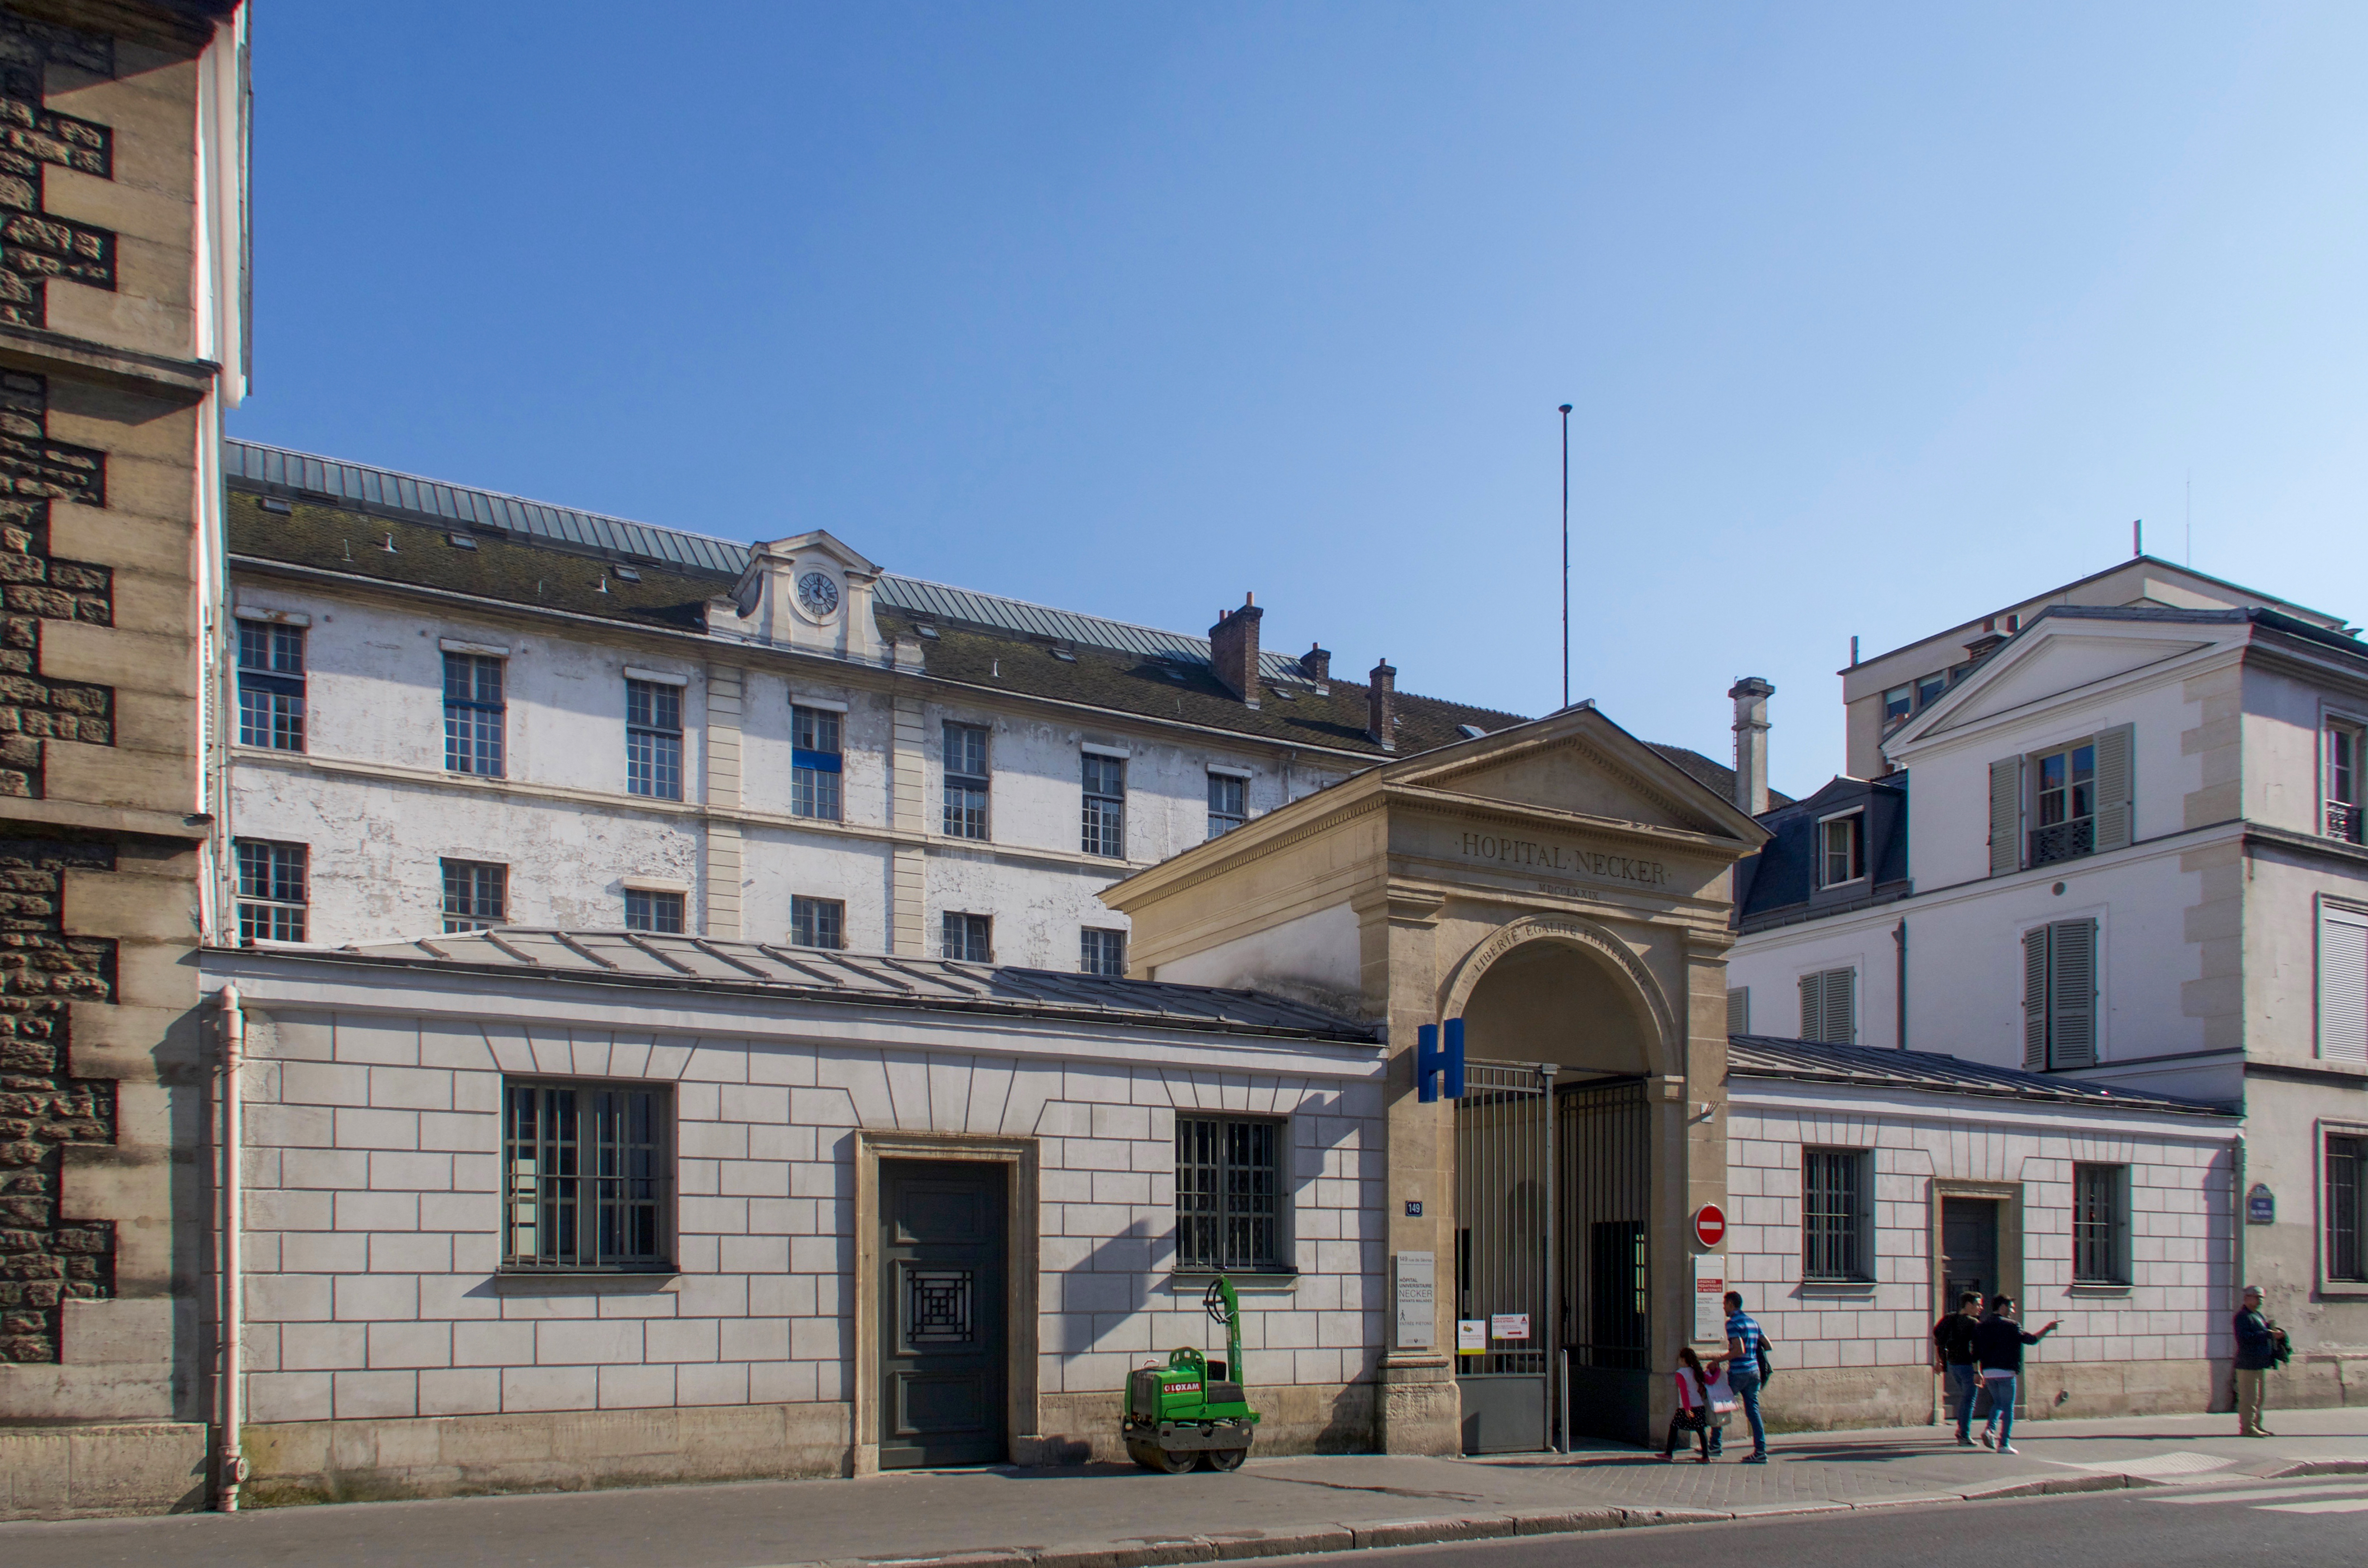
818, 595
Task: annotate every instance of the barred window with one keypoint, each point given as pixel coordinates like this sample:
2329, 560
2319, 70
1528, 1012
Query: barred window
818, 922
270, 686
472, 714
1228, 1186
1105, 815
653, 739
1101, 951
476, 894
814, 763
588, 1176
1228, 803
270, 891
969, 938
648, 909
2100, 1225
966, 782
1835, 1215
2347, 1172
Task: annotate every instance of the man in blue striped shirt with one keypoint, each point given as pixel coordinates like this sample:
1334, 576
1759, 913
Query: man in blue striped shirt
1743, 1342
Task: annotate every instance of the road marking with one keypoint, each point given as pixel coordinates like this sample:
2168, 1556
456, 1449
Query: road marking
2331, 1506
2182, 1463
2254, 1495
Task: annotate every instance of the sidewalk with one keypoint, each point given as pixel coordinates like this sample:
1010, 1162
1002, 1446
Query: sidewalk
1113, 1517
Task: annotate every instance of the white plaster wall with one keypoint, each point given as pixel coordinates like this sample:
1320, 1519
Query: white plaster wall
373, 1219
778, 863
2285, 723
2176, 1306
1317, 950
866, 736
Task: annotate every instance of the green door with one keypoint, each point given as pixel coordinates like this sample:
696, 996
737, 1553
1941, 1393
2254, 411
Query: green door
943, 1352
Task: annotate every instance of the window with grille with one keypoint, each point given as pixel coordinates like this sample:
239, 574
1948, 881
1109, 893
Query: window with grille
968, 939
2342, 984
476, 894
650, 909
814, 763
587, 1177
2346, 1164
1228, 1194
2064, 801
2344, 762
1841, 849
2059, 995
270, 686
1228, 803
1836, 1216
1101, 952
270, 891
966, 779
472, 714
653, 739
1105, 817
817, 923
1829, 1007
2100, 1225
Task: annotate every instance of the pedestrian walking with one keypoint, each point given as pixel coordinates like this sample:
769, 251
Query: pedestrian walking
1953, 1356
1693, 1414
2260, 1344
1747, 1370
1997, 1342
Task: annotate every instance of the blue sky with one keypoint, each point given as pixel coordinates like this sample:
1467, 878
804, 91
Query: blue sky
1874, 317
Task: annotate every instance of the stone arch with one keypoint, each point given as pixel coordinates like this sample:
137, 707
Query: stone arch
1533, 947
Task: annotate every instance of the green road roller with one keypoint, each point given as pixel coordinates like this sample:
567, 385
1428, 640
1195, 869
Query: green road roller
1192, 1412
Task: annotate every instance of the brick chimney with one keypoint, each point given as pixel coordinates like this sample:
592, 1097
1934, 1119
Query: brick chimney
1381, 707
1317, 664
1234, 649
1752, 695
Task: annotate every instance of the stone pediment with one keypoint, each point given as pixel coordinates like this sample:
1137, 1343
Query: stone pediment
2058, 662
1585, 764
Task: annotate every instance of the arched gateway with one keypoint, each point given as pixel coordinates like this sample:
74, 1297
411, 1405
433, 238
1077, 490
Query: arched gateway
1561, 889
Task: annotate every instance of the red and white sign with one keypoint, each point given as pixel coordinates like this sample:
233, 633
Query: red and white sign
1710, 1224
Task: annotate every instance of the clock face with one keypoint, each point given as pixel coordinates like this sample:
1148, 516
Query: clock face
817, 594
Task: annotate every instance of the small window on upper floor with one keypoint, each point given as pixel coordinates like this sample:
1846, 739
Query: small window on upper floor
1930, 690
1897, 703
967, 938
966, 782
818, 922
814, 763
271, 901
270, 686
1841, 849
1228, 803
649, 909
2345, 739
472, 714
1105, 806
653, 739
1101, 951
476, 894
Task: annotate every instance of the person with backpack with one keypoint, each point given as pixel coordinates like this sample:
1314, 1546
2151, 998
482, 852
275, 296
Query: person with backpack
1693, 1414
2260, 1344
1953, 1356
1747, 1370
1997, 1342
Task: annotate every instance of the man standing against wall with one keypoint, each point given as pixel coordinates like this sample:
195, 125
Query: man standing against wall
2257, 1351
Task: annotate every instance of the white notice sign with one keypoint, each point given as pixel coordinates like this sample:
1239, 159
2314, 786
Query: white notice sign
1508, 1325
1417, 1326
1471, 1336
1710, 1296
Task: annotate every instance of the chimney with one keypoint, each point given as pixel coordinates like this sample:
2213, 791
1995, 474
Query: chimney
1234, 649
1752, 695
1317, 664
1381, 707
1981, 646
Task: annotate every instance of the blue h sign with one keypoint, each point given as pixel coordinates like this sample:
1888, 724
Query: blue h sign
1431, 1064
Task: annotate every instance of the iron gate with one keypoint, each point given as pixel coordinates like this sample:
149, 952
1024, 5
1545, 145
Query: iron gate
1602, 1130
1504, 1253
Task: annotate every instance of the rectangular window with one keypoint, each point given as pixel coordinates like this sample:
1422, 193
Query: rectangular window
2344, 764
1836, 1216
2342, 984
2100, 1225
969, 938
817, 923
1841, 849
1228, 803
1829, 1007
653, 739
966, 782
2065, 792
1738, 1009
270, 891
472, 714
270, 686
2059, 995
1897, 703
1105, 819
1101, 952
1930, 689
1228, 1194
813, 764
648, 909
2347, 1165
476, 894
587, 1175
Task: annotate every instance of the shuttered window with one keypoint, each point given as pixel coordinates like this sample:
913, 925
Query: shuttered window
1738, 1010
2006, 816
1837, 1219
1829, 1007
2059, 995
2343, 984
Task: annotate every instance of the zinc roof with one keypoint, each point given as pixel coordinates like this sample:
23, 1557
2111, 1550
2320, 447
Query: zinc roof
1767, 1056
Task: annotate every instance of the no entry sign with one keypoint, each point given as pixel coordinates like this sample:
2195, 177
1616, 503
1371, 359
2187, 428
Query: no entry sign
1710, 1224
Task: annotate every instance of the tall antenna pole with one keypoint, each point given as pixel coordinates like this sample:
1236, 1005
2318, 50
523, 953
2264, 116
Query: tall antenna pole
1566, 555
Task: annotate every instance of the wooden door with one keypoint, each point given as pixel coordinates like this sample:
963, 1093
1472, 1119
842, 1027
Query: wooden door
943, 1347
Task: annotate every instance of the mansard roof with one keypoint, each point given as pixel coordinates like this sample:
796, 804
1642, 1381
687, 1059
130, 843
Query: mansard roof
1866, 1066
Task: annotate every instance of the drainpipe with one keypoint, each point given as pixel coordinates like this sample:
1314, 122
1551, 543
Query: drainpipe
1899, 936
2236, 1196
230, 1462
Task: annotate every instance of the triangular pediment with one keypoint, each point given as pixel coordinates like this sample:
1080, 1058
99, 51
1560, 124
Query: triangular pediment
1584, 764
817, 542
2056, 664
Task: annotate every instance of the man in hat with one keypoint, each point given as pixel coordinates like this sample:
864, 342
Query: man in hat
2257, 1351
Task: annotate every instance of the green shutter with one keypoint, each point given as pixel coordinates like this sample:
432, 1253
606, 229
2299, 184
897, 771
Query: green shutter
2116, 795
2006, 816
2034, 999
1813, 1006
2072, 993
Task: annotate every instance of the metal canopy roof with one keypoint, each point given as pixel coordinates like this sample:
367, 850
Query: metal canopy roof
1765, 1056
642, 957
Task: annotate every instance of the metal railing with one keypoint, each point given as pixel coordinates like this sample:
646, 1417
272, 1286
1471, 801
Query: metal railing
2063, 841
2345, 820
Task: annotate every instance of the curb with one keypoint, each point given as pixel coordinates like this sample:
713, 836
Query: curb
2317, 1467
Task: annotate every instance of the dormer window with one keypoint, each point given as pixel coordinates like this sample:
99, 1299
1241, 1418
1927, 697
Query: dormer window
1841, 849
